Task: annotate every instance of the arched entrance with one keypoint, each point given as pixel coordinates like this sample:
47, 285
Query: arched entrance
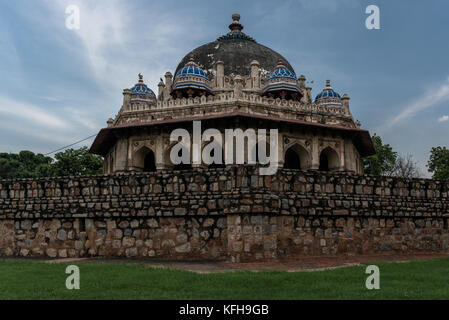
296, 157
329, 160
144, 160
149, 162
292, 160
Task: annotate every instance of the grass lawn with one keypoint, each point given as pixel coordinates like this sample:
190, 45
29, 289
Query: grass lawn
420, 279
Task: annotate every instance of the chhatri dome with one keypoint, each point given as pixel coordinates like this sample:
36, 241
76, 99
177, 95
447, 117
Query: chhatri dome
233, 83
328, 96
284, 81
189, 79
141, 90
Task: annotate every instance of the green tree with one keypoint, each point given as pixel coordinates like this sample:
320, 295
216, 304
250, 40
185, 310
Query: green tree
25, 164
383, 162
438, 163
77, 162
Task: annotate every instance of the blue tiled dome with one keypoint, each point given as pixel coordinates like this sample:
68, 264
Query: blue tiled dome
281, 79
191, 76
192, 70
141, 90
281, 72
328, 96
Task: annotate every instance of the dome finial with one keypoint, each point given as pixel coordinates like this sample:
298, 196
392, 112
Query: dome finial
140, 78
236, 25
328, 83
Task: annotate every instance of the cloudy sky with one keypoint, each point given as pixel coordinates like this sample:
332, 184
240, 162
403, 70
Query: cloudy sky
59, 85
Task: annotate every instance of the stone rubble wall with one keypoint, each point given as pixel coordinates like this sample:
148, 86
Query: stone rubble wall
222, 214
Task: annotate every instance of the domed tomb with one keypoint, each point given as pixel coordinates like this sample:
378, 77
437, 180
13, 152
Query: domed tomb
237, 50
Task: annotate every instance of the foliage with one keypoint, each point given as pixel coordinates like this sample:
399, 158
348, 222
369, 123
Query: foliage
77, 162
27, 164
438, 163
382, 163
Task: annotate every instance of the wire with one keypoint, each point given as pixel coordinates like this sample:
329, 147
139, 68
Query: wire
60, 149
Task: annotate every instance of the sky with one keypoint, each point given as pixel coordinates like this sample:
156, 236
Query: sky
59, 85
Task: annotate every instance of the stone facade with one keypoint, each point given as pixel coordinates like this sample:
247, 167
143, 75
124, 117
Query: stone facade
234, 83
222, 214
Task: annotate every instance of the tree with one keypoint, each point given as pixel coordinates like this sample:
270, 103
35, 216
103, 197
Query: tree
438, 163
406, 167
72, 162
77, 162
26, 164
382, 163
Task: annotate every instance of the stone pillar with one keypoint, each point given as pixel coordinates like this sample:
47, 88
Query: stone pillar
309, 94
255, 74
121, 155
345, 103
168, 85
302, 81
315, 153
238, 86
126, 99
220, 74
159, 154
160, 92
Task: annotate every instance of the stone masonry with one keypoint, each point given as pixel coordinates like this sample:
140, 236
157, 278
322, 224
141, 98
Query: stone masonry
222, 214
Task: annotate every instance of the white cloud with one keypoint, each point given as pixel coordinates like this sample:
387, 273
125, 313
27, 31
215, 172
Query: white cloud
443, 118
31, 114
431, 98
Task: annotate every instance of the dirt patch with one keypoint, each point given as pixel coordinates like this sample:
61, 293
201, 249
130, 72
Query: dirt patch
290, 265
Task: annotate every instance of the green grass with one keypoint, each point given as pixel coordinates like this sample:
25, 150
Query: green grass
424, 279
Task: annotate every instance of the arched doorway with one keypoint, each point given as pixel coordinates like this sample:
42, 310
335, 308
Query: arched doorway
329, 160
144, 160
149, 162
296, 157
292, 160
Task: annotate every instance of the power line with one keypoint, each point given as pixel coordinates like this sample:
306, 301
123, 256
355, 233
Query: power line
60, 149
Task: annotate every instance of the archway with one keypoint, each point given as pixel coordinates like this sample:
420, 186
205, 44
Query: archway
144, 159
296, 157
329, 160
292, 160
149, 162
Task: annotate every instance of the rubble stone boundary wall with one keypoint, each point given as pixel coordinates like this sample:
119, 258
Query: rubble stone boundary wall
222, 214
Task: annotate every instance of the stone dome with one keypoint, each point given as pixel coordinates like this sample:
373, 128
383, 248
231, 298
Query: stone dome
281, 78
191, 76
328, 96
237, 50
141, 90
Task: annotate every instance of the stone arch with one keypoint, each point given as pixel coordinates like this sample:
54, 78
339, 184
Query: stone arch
329, 160
296, 156
145, 159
